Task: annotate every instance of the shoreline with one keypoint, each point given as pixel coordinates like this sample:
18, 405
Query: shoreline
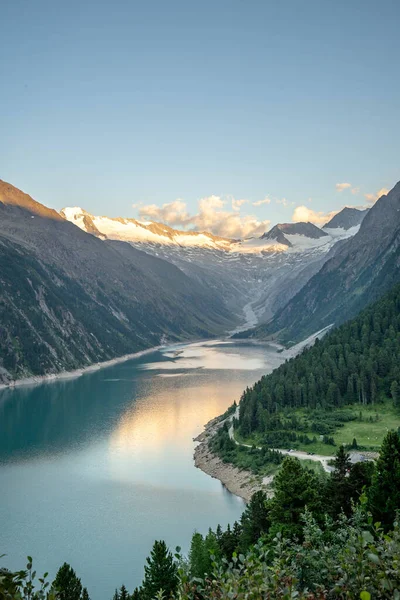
51, 377
240, 482
39, 379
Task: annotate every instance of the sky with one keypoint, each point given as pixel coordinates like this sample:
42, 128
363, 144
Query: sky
225, 115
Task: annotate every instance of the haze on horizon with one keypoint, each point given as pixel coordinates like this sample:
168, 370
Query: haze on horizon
226, 117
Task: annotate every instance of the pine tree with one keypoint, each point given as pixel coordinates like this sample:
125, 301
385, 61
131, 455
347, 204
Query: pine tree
255, 520
211, 547
137, 594
295, 488
228, 543
339, 487
123, 593
198, 559
161, 572
384, 493
395, 393
85, 594
360, 478
342, 463
67, 583
116, 595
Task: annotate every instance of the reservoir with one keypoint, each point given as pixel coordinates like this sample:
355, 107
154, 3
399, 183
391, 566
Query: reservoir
94, 469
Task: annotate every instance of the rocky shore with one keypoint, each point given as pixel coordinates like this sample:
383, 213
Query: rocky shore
35, 380
240, 482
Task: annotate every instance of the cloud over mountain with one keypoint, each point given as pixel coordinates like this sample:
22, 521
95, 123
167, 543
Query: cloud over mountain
303, 214
212, 215
372, 198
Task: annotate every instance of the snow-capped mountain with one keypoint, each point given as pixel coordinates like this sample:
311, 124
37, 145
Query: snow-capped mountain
346, 219
283, 231
295, 236
254, 275
354, 273
132, 230
69, 299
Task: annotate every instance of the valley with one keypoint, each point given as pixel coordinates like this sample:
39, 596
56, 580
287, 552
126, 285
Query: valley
65, 273
199, 301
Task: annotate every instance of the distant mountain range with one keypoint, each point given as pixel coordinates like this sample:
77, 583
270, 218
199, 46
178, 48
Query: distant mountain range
68, 299
278, 239
356, 272
77, 289
266, 271
132, 230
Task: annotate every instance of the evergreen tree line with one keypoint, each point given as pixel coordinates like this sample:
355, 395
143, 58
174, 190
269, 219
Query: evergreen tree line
318, 537
358, 362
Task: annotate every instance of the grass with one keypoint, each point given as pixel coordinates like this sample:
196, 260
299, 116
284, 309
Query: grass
243, 458
368, 431
317, 447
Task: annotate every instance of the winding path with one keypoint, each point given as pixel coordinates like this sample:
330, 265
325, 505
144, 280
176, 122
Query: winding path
297, 453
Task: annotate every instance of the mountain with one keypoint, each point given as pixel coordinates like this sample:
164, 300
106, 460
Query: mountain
298, 236
282, 233
77, 289
68, 298
360, 270
346, 218
131, 230
262, 273
355, 363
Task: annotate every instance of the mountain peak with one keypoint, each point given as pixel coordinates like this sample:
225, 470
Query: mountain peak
280, 232
12, 196
345, 219
80, 217
134, 231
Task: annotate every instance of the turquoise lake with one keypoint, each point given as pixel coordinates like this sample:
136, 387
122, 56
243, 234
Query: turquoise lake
94, 469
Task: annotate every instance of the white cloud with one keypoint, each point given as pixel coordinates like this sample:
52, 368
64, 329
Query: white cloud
172, 212
236, 204
305, 214
260, 202
282, 201
211, 216
342, 186
372, 198
355, 190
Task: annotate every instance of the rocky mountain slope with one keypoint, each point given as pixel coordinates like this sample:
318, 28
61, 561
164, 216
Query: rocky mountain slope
359, 271
346, 218
255, 270
77, 289
68, 298
283, 231
132, 230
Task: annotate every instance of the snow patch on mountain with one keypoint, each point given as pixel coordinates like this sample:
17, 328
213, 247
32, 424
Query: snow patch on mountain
290, 237
340, 233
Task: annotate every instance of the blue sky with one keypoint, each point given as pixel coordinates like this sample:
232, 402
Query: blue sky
112, 104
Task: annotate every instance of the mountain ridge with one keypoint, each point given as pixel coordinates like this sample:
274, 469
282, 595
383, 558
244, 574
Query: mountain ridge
280, 231
68, 299
346, 218
149, 232
360, 270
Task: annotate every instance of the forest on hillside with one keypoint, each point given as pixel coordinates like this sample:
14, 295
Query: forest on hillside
356, 364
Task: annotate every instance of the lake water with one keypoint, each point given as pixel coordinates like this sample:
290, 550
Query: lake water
94, 469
